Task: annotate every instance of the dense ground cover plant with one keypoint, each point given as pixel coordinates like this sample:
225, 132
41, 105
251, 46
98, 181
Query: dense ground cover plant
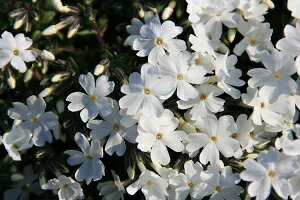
195, 99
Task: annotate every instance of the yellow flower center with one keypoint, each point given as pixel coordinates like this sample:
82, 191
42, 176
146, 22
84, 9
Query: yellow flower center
158, 136
271, 174
191, 185
180, 77
89, 157
16, 52
218, 188
147, 91
116, 127
276, 76
198, 130
203, 97
15, 146
213, 138
197, 61
93, 98
253, 41
252, 134
262, 105
65, 186
234, 135
149, 182
159, 41
35, 119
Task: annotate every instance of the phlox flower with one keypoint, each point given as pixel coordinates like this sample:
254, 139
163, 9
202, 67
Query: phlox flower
294, 6
92, 167
95, 101
14, 50
253, 9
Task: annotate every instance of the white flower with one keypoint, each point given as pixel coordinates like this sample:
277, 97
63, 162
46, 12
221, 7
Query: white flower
35, 119
213, 14
228, 75
112, 126
168, 174
68, 188
244, 132
201, 42
253, 9
177, 66
257, 38
205, 103
156, 38
263, 109
270, 171
291, 43
188, 182
294, 99
92, 167
156, 134
95, 101
153, 186
220, 185
22, 188
144, 91
14, 50
204, 60
276, 79
215, 137
135, 27
112, 190
289, 143
60, 7
17, 140
294, 6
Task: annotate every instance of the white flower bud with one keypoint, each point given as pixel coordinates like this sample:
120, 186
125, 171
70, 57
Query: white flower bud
168, 11
269, 3
51, 30
11, 82
60, 7
131, 172
231, 34
46, 92
73, 30
28, 75
99, 70
47, 55
60, 106
18, 23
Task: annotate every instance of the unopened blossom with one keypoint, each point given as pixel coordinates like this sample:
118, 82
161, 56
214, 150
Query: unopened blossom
189, 182
253, 9
144, 91
151, 184
215, 137
291, 43
183, 75
112, 126
263, 109
91, 166
269, 171
205, 103
257, 39
66, 186
21, 189
275, 79
14, 50
112, 190
95, 101
158, 38
294, 7
156, 134
16, 140
228, 76
34, 118
220, 184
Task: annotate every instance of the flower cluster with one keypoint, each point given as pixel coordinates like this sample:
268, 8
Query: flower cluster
194, 119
